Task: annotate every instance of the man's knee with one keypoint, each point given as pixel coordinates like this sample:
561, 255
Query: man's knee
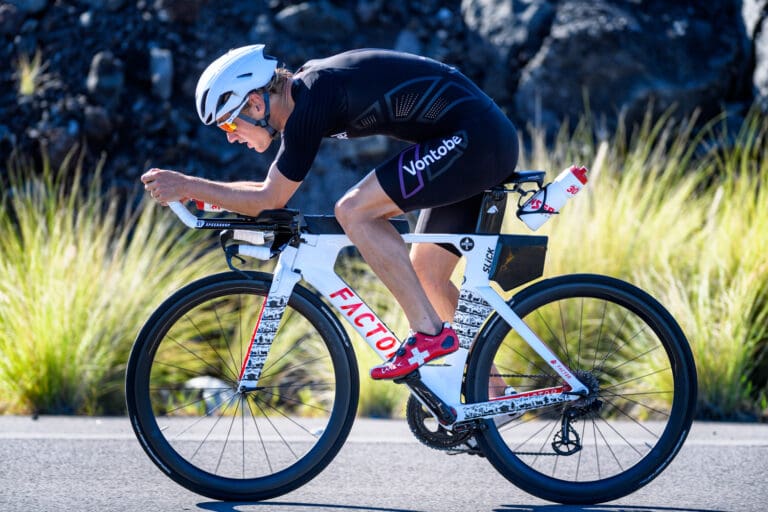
347, 209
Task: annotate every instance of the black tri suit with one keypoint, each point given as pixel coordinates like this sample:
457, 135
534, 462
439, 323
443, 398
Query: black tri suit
462, 143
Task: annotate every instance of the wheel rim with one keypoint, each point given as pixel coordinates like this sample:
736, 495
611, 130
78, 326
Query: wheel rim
212, 428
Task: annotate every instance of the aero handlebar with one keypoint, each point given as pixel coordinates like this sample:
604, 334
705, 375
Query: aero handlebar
187, 217
258, 251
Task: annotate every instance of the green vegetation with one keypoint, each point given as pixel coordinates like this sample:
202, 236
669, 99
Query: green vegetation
683, 216
29, 73
692, 230
79, 277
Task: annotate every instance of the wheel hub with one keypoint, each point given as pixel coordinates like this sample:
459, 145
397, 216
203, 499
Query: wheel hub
593, 390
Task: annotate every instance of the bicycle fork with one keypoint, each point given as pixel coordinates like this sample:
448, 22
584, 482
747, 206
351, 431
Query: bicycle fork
269, 320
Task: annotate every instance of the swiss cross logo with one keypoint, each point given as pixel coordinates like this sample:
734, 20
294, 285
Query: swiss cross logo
418, 357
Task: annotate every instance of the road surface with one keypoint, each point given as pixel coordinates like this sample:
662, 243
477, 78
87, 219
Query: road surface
96, 464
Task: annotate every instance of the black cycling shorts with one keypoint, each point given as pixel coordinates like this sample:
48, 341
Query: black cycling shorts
445, 177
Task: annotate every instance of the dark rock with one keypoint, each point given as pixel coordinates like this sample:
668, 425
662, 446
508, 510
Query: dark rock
98, 126
57, 142
179, 11
29, 6
161, 72
753, 12
106, 78
368, 10
756, 21
407, 41
109, 5
621, 60
316, 20
11, 19
512, 31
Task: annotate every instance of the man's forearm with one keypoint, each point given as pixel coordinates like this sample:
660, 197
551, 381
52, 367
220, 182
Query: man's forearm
244, 197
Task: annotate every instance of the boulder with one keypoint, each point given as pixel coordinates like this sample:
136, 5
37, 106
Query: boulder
511, 32
755, 16
614, 59
29, 6
161, 72
316, 20
106, 78
11, 19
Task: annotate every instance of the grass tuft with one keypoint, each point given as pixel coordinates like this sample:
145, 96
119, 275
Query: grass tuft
80, 273
30, 73
691, 229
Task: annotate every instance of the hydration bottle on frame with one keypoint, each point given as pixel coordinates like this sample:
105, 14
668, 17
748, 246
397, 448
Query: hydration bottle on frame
551, 198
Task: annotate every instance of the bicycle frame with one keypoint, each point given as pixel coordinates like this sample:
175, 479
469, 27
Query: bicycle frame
313, 261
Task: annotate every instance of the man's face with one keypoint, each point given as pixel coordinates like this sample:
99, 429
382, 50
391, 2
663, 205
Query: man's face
254, 137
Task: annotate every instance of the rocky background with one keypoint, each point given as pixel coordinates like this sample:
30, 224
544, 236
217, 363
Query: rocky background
117, 77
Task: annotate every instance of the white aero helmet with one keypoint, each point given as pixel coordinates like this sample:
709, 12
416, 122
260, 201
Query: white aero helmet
226, 82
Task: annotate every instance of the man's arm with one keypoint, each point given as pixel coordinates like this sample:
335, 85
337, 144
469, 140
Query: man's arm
244, 197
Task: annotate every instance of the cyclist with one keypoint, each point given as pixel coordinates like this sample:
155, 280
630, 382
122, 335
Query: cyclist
462, 144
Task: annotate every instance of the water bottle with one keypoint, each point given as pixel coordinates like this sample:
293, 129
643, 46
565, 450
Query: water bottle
208, 207
551, 198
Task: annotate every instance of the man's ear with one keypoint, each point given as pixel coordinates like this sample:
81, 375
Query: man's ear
256, 101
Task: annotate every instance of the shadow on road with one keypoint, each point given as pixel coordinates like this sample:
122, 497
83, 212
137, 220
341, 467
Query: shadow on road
219, 506
594, 508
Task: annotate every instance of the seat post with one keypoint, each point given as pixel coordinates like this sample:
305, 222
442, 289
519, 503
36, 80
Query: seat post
491, 213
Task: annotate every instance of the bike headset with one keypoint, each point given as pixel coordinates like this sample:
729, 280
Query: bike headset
224, 86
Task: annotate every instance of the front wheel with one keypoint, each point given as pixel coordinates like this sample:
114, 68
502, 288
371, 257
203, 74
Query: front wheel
216, 440
631, 354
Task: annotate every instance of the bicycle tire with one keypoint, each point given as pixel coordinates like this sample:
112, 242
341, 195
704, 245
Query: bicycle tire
612, 334
186, 411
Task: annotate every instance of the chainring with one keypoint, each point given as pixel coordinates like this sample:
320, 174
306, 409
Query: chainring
429, 432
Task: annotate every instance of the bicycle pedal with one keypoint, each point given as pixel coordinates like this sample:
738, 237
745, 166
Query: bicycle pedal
408, 378
472, 448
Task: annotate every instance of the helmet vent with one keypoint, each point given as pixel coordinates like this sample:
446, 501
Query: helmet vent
245, 75
201, 108
222, 100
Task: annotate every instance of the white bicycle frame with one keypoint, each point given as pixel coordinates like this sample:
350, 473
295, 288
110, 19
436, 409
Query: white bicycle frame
313, 261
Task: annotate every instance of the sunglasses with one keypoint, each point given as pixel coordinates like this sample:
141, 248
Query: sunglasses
228, 125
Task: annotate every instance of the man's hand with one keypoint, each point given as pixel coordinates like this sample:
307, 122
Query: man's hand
165, 186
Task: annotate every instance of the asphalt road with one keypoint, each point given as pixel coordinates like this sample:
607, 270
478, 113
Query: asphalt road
96, 464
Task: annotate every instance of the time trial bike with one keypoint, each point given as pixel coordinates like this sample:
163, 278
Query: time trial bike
244, 385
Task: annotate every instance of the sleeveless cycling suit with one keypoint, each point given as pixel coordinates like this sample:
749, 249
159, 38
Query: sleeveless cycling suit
462, 143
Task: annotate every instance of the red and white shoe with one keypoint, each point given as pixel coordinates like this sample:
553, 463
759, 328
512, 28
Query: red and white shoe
417, 350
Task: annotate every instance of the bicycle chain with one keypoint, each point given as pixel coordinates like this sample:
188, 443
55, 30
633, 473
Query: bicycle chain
542, 376
443, 439
457, 443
